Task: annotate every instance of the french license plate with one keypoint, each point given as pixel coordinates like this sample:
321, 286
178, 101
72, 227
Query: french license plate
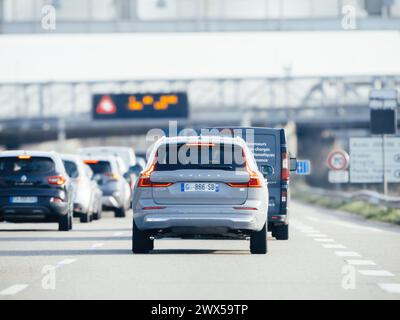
23, 199
199, 187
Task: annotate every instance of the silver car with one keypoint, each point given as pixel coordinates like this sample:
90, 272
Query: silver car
87, 194
200, 186
109, 174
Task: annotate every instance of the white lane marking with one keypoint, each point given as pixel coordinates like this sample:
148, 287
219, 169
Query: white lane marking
390, 287
309, 231
353, 226
317, 235
359, 262
324, 240
334, 246
97, 245
347, 254
117, 234
376, 273
13, 290
312, 219
66, 261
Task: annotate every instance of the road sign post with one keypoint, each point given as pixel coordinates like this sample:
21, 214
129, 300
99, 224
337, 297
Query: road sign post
384, 177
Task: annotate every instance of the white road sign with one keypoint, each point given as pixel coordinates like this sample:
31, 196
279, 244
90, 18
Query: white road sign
366, 160
338, 160
336, 176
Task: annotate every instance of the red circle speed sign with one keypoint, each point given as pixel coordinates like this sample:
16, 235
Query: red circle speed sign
338, 160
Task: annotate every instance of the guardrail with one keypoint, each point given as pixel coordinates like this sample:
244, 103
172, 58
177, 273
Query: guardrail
369, 196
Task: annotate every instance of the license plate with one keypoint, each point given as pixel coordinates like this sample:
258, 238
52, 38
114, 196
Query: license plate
23, 199
199, 187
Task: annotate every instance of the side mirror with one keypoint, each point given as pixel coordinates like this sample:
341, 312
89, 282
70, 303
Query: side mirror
136, 169
267, 170
293, 164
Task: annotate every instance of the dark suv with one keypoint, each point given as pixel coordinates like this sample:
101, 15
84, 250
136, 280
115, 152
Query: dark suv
34, 187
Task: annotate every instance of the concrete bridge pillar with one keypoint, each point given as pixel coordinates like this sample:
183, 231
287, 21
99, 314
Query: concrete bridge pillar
315, 144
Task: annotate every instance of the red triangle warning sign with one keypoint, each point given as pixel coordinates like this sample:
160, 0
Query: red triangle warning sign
106, 106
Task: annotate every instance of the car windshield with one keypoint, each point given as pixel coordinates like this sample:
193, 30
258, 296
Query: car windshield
36, 165
200, 156
100, 167
71, 168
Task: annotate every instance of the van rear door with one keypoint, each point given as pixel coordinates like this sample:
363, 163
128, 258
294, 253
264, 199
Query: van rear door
266, 145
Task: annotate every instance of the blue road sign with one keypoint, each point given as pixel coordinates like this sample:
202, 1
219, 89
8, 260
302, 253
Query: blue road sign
303, 167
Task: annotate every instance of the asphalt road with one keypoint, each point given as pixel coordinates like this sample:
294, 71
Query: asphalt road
330, 255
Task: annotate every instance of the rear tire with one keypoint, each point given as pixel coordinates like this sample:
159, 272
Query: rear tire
120, 213
64, 223
84, 218
141, 242
97, 215
258, 241
282, 232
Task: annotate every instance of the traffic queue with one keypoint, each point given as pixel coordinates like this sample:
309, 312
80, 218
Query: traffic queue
51, 187
229, 184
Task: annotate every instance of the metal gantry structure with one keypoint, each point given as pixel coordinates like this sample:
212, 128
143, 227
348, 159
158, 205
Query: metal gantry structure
25, 16
233, 95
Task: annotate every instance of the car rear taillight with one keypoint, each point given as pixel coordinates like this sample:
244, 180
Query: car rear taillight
90, 161
57, 180
285, 166
24, 157
112, 176
144, 179
245, 208
146, 182
153, 208
254, 182
284, 196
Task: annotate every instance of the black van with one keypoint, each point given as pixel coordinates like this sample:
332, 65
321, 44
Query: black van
272, 156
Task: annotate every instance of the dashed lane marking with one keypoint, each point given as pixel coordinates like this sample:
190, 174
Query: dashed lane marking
13, 290
309, 231
358, 262
334, 246
390, 287
312, 219
353, 226
66, 261
324, 240
317, 235
347, 254
376, 273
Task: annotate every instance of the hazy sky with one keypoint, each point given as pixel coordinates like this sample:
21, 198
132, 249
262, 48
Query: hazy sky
188, 55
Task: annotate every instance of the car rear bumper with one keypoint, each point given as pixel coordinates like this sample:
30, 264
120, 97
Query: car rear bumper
41, 212
200, 217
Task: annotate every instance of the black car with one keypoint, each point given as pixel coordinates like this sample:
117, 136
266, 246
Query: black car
34, 187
